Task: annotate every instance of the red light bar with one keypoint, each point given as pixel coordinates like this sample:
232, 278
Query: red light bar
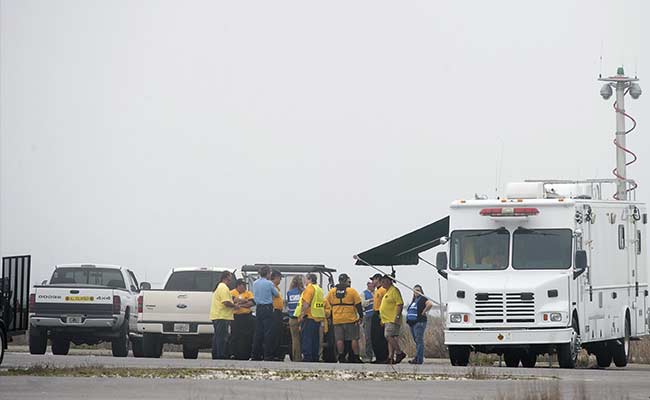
509, 212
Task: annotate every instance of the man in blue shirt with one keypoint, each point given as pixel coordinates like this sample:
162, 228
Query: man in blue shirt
367, 303
263, 292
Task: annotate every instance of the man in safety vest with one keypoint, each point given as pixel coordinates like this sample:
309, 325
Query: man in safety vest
346, 317
311, 312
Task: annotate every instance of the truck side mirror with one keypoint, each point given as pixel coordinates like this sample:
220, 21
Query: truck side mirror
580, 265
441, 263
145, 286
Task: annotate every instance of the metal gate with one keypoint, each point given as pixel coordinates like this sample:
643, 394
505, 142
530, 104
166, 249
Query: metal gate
14, 293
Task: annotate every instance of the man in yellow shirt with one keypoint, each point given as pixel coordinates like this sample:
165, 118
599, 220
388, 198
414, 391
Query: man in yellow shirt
221, 314
346, 316
390, 312
379, 343
311, 312
243, 326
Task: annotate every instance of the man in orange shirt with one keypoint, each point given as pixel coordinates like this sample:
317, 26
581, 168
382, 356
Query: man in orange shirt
379, 343
243, 326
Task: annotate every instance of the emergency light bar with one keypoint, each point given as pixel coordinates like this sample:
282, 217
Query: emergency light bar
509, 212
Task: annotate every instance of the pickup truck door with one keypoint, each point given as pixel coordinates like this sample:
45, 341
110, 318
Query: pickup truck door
133, 292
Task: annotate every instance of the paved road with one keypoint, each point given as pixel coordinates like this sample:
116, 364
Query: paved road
632, 382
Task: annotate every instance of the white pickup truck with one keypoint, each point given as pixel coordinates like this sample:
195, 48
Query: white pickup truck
180, 312
85, 304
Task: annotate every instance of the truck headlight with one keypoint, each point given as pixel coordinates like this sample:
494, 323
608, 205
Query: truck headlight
553, 317
456, 318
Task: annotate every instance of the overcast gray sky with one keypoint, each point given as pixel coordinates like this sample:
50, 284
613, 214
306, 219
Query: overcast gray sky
161, 133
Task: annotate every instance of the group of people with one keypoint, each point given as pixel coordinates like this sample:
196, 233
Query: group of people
240, 336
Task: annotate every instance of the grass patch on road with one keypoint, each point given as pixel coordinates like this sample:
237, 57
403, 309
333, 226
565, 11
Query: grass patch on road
240, 374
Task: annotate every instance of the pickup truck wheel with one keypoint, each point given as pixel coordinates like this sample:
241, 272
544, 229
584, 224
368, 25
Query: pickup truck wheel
621, 347
60, 346
120, 345
512, 358
151, 345
136, 347
459, 355
190, 352
37, 341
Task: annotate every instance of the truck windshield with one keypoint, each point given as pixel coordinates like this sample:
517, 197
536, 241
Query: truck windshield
541, 248
88, 276
479, 249
193, 281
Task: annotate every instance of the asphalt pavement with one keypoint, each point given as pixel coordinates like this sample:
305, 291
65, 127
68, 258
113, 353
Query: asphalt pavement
632, 382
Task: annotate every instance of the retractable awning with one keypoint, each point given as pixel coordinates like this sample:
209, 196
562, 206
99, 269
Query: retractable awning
405, 249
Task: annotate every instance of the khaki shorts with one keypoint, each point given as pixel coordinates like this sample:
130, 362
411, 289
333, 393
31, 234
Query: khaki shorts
346, 331
391, 329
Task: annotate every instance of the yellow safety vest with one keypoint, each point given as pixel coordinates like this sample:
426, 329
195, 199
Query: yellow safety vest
317, 304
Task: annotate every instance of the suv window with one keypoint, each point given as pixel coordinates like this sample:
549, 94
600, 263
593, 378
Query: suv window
193, 281
88, 276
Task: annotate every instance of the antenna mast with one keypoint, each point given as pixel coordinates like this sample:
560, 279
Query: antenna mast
623, 85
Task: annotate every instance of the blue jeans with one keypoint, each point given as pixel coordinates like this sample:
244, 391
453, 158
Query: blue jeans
417, 331
219, 338
310, 340
263, 343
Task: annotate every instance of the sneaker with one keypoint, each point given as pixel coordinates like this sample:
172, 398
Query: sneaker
342, 358
400, 357
355, 360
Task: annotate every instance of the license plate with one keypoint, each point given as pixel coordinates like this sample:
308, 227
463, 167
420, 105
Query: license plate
181, 327
74, 320
79, 298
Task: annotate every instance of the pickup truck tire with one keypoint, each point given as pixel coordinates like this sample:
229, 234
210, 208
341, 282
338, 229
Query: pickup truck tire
60, 346
151, 345
136, 346
37, 341
120, 345
190, 352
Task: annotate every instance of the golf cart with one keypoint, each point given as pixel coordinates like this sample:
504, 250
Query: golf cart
14, 299
325, 281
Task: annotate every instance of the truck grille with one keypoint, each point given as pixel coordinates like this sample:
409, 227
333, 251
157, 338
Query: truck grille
520, 307
489, 307
504, 307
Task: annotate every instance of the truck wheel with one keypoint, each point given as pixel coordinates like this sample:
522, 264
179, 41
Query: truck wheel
512, 358
2, 343
604, 356
136, 347
567, 353
459, 355
190, 352
60, 346
120, 344
528, 359
151, 345
621, 347
37, 341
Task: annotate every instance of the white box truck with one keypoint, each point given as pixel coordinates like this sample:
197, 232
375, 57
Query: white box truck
541, 272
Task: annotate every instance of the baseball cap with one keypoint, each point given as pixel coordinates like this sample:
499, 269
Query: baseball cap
344, 278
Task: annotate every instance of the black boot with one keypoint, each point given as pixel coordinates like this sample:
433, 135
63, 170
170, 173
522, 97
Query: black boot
342, 358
